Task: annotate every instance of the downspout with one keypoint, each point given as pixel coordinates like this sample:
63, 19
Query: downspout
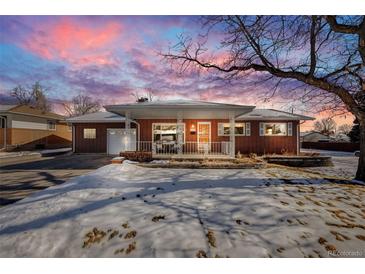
139, 132
298, 139
73, 138
5, 129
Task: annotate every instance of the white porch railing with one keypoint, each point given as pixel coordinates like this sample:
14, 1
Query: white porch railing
187, 148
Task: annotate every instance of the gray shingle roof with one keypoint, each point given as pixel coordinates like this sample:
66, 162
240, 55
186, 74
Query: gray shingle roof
272, 114
97, 117
6, 107
177, 103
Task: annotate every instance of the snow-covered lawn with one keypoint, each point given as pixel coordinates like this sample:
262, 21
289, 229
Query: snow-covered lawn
344, 163
131, 211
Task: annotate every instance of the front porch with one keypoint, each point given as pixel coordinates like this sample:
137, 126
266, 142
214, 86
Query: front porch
178, 129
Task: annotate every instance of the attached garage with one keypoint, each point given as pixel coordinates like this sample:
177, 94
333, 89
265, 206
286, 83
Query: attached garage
101, 132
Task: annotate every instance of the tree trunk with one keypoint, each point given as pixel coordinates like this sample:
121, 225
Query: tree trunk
360, 174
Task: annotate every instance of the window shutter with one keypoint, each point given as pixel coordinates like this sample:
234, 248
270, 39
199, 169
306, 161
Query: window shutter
248, 129
262, 129
290, 129
220, 129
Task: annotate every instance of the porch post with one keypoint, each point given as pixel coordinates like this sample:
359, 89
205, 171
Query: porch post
127, 124
232, 123
179, 133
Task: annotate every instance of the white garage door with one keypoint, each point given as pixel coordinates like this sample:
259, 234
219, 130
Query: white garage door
120, 139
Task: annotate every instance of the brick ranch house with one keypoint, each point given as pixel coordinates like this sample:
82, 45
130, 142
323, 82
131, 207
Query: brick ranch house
24, 127
182, 128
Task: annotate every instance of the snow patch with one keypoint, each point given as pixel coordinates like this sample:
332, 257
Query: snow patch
273, 212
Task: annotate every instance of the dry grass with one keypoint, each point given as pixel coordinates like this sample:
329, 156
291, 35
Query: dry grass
300, 203
361, 237
94, 236
131, 234
339, 236
330, 248
130, 248
244, 162
322, 241
113, 234
280, 249
347, 225
211, 238
156, 219
201, 254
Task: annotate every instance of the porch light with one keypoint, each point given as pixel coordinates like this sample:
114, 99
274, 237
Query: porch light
192, 128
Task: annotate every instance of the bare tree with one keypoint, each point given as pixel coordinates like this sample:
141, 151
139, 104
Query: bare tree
22, 95
344, 129
326, 126
80, 105
34, 96
40, 100
322, 57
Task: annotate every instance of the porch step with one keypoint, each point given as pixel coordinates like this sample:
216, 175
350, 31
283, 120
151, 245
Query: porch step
117, 160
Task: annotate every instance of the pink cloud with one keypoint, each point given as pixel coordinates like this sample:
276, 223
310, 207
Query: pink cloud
74, 43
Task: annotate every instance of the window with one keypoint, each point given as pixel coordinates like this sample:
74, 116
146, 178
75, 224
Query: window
89, 133
239, 130
51, 125
167, 132
2, 122
273, 129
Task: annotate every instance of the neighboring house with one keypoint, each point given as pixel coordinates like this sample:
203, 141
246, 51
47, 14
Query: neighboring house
341, 138
182, 128
314, 136
25, 127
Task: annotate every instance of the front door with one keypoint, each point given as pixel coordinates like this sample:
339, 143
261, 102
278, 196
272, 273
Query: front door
204, 137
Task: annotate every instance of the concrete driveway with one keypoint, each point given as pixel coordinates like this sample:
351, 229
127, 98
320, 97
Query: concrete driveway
19, 180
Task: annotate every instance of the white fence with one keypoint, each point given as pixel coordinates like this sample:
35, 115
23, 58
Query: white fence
189, 148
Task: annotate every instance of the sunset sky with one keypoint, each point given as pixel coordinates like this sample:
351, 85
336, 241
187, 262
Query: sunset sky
109, 58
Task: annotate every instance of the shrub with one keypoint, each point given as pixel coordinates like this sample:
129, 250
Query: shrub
252, 155
139, 156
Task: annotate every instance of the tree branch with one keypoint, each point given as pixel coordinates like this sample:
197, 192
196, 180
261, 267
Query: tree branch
349, 29
313, 46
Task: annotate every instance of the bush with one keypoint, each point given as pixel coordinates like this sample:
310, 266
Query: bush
139, 156
252, 155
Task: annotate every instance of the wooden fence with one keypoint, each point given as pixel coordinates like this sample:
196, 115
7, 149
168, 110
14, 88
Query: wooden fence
336, 146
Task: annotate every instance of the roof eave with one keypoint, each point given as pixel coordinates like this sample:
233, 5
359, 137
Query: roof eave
275, 118
110, 108
93, 121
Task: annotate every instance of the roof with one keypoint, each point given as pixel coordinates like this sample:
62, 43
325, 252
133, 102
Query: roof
189, 109
178, 103
31, 111
272, 114
303, 134
6, 107
97, 117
